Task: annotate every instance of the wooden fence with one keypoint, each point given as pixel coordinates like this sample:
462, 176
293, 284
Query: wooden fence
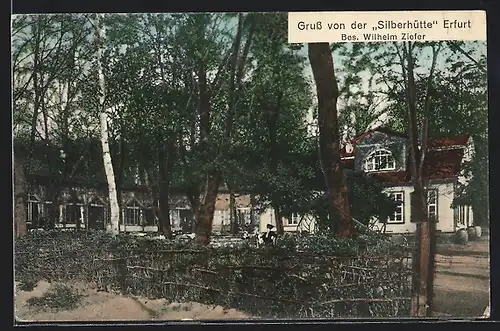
262, 282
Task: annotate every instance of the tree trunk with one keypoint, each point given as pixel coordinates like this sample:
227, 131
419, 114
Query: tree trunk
106, 155
193, 196
207, 206
233, 213
37, 96
204, 220
75, 213
207, 209
119, 174
252, 212
21, 198
279, 219
321, 61
272, 124
419, 211
165, 169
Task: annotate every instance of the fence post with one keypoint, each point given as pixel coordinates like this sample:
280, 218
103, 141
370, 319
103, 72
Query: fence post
122, 274
423, 263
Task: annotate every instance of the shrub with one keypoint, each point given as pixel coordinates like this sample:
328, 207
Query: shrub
27, 284
59, 296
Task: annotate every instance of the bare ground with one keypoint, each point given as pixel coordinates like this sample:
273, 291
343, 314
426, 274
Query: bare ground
103, 306
462, 282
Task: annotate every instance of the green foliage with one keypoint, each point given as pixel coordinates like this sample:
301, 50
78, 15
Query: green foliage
59, 296
27, 284
326, 243
150, 66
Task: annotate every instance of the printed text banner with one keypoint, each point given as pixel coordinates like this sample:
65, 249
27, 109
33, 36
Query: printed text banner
420, 26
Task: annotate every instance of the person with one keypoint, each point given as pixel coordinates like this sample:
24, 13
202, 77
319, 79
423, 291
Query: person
269, 237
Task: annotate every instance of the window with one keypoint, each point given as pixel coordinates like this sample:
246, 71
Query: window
73, 210
398, 216
244, 216
432, 204
380, 160
294, 220
224, 217
175, 219
33, 208
132, 214
74, 213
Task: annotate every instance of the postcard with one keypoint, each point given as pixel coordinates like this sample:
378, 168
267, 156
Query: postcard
250, 166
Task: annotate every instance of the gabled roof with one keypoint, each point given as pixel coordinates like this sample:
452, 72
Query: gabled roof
368, 133
442, 161
381, 129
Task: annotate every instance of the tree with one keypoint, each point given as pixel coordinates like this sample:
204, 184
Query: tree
425, 228
410, 79
20, 198
270, 128
108, 164
47, 81
321, 60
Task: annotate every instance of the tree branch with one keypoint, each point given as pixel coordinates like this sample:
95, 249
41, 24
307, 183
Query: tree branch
454, 46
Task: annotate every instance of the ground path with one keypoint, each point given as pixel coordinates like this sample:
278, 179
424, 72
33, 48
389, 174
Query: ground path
462, 282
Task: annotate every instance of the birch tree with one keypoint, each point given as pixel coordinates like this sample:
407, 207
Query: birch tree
106, 155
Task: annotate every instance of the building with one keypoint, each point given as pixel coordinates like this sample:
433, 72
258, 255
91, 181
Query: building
384, 154
85, 205
380, 152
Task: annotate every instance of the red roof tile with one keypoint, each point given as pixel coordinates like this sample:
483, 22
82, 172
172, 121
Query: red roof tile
447, 142
393, 177
444, 164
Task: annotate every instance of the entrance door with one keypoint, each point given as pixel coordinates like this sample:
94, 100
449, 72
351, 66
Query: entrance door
96, 217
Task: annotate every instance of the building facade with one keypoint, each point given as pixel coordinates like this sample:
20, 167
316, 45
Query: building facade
380, 153
384, 154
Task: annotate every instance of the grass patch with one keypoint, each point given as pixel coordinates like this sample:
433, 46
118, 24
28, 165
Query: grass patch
27, 284
58, 297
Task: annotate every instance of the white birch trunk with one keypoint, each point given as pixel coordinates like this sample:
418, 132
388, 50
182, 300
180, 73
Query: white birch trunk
106, 155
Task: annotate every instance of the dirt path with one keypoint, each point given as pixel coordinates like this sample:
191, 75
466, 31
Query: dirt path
103, 306
462, 283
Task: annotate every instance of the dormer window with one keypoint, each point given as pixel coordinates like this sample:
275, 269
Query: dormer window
379, 160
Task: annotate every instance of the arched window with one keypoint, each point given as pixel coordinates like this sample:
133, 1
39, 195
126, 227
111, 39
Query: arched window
379, 160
